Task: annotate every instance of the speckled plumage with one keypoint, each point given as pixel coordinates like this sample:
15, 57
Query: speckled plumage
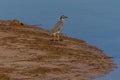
58, 27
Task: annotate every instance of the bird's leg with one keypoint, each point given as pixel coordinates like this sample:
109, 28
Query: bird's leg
58, 37
54, 37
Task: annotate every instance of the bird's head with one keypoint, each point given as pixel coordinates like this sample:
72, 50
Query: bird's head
63, 17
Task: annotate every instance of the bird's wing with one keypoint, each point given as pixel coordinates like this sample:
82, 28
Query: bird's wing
57, 27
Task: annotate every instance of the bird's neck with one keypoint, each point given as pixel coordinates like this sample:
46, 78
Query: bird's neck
62, 20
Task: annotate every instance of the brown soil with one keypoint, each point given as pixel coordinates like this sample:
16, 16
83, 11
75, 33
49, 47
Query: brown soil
27, 53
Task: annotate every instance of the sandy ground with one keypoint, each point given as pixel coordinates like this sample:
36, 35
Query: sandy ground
27, 53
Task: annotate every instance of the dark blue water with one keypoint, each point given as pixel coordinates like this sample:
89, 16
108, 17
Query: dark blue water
95, 21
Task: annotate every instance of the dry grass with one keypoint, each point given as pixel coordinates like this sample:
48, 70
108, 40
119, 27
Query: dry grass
6, 70
4, 77
32, 52
45, 70
4, 73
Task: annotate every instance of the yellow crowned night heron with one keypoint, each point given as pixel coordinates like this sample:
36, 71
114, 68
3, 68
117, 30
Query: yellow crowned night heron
55, 32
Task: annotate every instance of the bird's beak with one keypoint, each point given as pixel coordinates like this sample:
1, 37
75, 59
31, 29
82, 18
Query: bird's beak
66, 17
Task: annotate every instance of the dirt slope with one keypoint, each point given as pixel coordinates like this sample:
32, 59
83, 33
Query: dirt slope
27, 53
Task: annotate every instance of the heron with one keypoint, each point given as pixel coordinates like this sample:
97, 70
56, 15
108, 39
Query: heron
55, 32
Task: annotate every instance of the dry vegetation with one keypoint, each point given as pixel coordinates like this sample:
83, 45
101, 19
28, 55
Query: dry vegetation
27, 53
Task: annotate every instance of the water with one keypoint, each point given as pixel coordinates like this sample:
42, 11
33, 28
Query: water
95, 21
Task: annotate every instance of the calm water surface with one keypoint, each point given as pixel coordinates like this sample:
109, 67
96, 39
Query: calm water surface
95, 21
